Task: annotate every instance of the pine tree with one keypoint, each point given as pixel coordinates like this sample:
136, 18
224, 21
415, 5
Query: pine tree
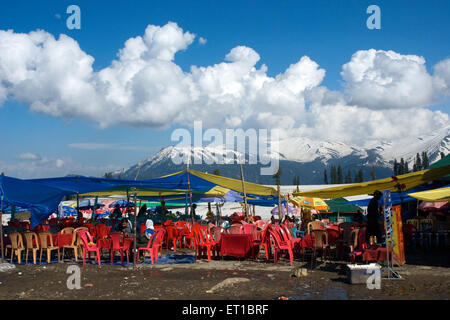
372, 173
348, 177
406, 170
401, 167
360, 176
333, 175
277, 176
216, 172
340, 176
418, 165
395, 167
425, 162
442, 155
325, 177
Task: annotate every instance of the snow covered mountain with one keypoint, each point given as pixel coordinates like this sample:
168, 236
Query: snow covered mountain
298, 157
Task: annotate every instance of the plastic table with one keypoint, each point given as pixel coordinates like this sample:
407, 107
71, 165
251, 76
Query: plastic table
237, 245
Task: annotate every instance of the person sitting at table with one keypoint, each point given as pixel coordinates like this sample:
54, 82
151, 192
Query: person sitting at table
125, 227
358, 217
373, 217
117, 213
149, 228
142, 211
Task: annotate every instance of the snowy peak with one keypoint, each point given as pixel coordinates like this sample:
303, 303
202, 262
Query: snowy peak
298, 156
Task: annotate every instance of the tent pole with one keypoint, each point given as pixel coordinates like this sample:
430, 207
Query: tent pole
190, 196
192, 213
128, 202
280, 213
245, 195
78, 203
1, 231
135, 235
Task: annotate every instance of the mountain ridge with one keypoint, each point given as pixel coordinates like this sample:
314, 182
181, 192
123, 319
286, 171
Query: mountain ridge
309, 163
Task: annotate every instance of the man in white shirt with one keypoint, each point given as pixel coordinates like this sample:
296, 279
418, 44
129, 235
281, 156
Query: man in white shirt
149, 228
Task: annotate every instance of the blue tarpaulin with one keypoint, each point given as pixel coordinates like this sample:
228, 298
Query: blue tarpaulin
41, 200
42, 196
399, 197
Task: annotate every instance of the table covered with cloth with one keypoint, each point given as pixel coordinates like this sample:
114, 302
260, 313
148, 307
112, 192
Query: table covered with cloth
376, 253
334, 233
238, 245
59, 240
106, 243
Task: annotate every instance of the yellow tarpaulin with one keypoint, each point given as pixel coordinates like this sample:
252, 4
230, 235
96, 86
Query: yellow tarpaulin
236, 185
436, 195
215, 191
308, 202
409, 180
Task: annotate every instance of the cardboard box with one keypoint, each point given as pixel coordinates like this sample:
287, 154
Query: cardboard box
358, 274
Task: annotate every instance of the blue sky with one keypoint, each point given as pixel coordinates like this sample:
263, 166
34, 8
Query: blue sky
281, 32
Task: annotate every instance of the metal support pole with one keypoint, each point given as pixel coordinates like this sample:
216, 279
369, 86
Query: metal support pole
135, 234
192, 212
1, 232
245, 195
280, 213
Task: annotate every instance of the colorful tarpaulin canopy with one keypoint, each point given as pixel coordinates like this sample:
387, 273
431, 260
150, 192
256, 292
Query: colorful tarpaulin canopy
234, 184
41, 200
291, 210
308, 202
341, 205
42, 196
399, 197
441, 195
201, 183
405, 181
428, 206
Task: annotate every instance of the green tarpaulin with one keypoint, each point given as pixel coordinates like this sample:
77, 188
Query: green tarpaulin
341, 205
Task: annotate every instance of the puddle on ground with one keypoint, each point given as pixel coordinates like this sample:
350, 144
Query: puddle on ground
335, 293
331, 293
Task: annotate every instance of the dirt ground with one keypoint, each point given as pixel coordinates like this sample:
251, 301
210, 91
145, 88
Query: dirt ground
425, 276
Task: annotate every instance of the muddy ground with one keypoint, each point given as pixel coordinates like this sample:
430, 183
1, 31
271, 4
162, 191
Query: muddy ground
425, 276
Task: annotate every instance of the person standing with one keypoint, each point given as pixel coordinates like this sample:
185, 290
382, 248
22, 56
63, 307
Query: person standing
373, 216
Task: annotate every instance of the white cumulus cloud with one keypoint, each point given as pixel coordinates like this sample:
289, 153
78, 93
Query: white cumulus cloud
385, 93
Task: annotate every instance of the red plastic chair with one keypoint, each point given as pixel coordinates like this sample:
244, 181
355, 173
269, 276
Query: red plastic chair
117, 240
265, 240
236, 228
205, 242
361, 246
102, 230
154, 244
180, 224
280, 246
86, 239
285, 235
188, 235
217, 233
172, 236
261, 224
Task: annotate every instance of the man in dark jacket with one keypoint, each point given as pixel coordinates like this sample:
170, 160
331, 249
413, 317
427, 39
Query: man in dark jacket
373, 216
